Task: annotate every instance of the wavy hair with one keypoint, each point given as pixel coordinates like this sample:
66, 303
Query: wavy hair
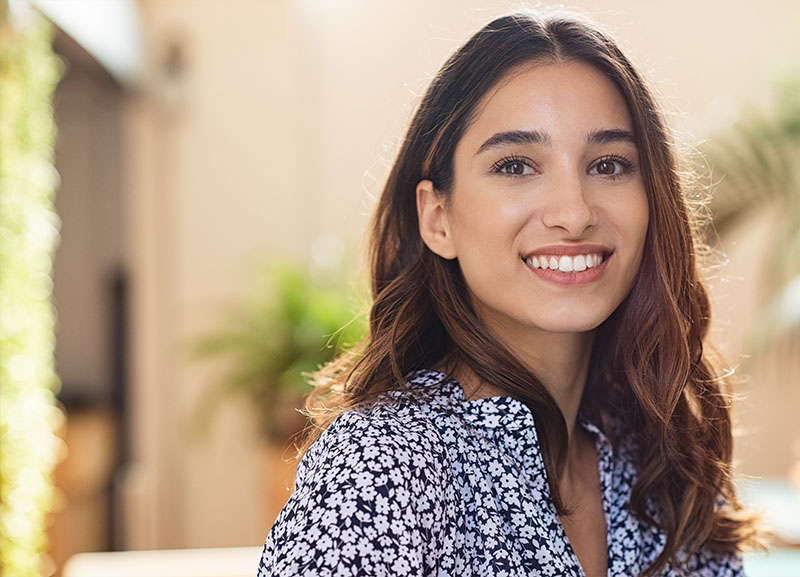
648, 373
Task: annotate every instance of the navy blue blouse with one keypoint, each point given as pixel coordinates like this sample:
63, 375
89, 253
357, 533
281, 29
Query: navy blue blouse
449, 487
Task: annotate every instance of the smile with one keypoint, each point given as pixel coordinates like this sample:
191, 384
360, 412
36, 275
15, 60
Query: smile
565, 263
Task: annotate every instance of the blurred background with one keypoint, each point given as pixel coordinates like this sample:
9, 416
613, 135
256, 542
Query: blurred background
206, 171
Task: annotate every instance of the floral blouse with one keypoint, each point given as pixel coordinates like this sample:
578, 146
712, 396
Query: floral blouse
447, 487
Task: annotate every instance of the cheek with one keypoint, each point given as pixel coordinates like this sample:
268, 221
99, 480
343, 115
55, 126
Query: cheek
642, 222
634, 218
486, 216
636, 231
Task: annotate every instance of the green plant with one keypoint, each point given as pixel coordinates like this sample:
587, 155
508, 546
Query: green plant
29, 448
295, 320
757, 166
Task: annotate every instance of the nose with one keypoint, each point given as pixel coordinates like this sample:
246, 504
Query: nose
568, 206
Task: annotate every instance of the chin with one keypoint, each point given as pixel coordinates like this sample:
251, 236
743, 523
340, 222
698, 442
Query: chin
570, 321
572, 327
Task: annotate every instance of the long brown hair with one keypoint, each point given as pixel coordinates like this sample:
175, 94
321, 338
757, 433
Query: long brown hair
648, 362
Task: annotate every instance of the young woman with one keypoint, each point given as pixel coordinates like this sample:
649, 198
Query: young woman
533, 397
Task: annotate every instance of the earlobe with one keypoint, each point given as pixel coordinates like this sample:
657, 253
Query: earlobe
433, 225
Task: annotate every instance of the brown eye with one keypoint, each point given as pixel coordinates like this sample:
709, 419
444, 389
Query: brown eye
515, 168
613, 167
606, 167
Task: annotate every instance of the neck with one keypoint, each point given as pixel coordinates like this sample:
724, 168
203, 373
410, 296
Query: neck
559, 360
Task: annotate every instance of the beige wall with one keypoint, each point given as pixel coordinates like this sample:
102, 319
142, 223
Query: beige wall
208, 189
87, 108
280, 129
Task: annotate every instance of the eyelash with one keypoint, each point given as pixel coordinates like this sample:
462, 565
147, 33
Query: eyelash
626, 164
498, 166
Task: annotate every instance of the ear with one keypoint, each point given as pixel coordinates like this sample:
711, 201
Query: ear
433, 225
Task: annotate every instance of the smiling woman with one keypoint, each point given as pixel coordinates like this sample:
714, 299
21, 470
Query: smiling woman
533, 397
548, 170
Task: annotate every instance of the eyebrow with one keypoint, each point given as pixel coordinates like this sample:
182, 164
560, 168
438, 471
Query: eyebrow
514, 137
604, 136
611, 135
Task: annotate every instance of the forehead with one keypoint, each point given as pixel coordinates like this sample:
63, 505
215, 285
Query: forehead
564, 100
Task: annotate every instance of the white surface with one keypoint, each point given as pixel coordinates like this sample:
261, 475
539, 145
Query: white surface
109, 30
224, 562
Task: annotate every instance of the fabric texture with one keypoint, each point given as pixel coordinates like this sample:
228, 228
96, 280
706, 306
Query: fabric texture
441, 486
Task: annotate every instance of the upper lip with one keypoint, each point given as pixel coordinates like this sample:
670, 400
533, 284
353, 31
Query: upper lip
568, 250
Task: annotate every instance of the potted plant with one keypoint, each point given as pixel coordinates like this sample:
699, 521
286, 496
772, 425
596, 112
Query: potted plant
295, 318
756, 166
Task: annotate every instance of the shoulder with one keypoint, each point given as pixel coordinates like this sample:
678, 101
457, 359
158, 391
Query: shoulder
402, 430
389, 439
374, 495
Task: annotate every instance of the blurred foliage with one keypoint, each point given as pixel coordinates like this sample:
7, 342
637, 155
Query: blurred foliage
29, 448
757, 165
295, 320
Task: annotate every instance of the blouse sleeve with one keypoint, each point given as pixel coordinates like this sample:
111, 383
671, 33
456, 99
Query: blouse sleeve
707, 563
371, 498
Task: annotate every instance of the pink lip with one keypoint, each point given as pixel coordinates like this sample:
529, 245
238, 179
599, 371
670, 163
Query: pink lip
569, 250
571, 278
587, 276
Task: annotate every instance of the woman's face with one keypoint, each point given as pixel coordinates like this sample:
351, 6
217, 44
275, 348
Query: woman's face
548, 213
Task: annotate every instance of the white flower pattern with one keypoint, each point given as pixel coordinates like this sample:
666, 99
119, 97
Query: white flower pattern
439, 486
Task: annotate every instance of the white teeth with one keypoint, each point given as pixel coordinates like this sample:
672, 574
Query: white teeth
564, 263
